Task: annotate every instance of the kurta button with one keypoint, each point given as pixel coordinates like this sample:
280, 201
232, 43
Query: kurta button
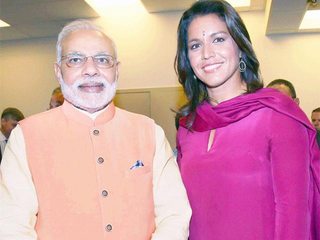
104, 193
109, 228
100, 160
96, 132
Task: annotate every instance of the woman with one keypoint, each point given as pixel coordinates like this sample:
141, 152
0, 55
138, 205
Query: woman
247, 155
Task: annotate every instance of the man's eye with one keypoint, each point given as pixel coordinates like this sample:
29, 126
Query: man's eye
74, 60
105, 60
102, 60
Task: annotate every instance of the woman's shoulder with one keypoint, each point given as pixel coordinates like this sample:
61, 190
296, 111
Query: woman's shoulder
281, 106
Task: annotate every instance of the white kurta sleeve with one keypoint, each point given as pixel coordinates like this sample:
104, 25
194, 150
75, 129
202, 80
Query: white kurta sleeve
18, 200
172, 207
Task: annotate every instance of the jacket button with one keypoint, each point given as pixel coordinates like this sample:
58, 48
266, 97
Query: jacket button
100, 160
109, 228
96, 132
104, 193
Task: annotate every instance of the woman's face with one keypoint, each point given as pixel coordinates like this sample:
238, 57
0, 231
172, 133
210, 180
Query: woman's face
213, 54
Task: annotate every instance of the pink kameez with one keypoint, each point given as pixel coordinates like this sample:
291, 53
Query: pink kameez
260, 178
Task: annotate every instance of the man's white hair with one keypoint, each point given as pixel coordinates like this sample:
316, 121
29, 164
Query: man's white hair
80, 24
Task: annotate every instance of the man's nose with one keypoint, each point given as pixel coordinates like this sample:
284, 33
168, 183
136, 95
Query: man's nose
90, 68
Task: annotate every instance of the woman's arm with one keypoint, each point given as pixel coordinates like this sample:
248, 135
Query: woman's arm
290, 166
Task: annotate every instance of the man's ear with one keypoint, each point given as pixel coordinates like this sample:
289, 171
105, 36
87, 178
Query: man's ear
57, 71
117, 70
297, 100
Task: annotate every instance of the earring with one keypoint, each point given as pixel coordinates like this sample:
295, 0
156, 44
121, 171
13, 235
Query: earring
242, 65
194, 77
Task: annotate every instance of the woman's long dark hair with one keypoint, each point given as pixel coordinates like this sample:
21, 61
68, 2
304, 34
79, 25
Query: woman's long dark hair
196, 90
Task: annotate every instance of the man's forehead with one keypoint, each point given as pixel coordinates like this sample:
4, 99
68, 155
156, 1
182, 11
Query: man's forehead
282, 88
11, 120
87, 40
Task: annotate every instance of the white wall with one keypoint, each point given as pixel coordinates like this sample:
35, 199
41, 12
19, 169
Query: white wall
26, 74
146, 48
294, 57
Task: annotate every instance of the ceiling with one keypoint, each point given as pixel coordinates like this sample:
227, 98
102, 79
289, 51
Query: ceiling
45, 18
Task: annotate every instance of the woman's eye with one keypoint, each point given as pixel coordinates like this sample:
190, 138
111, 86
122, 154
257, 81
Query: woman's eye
194, 46
218, 40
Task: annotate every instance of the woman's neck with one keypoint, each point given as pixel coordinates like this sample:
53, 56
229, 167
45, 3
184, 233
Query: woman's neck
217, 96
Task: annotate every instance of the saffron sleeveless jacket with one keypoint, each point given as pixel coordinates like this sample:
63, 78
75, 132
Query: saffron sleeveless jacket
83, 175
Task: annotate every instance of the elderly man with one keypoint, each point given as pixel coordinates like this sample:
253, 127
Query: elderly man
9, 119
88, 170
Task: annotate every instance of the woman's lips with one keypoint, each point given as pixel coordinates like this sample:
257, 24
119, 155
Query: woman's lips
211, 67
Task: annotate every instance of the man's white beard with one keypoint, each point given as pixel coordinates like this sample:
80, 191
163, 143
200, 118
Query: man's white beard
90, 102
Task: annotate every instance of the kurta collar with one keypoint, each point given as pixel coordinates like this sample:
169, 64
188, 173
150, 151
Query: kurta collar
77, 115
2, 137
